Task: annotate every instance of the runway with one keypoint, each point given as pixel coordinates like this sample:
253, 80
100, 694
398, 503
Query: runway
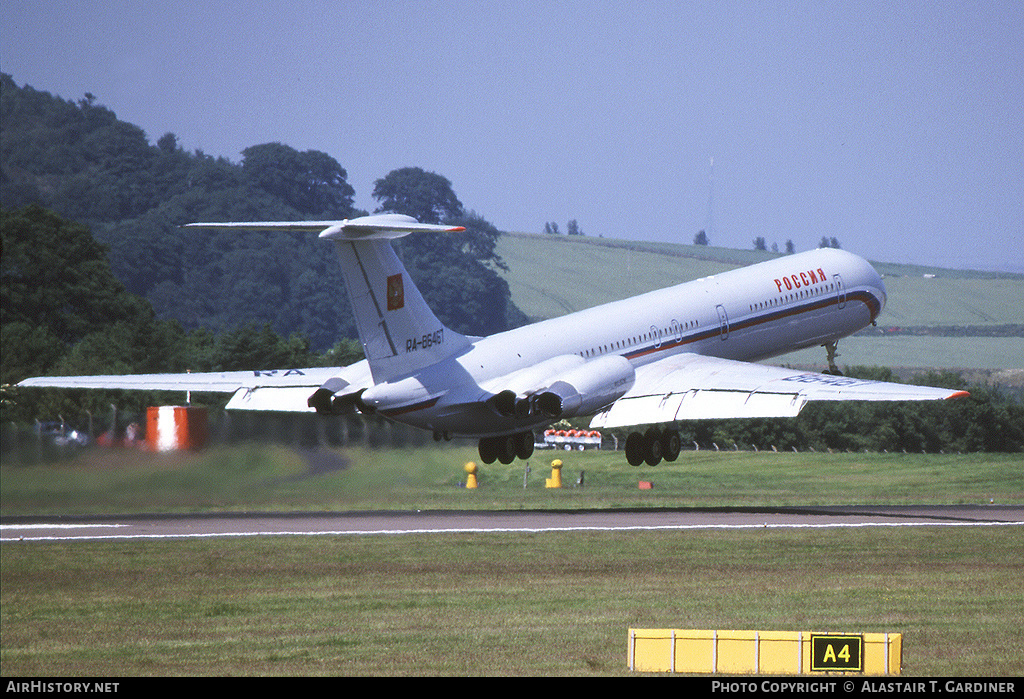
193, 526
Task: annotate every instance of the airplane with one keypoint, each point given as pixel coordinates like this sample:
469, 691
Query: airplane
685, 352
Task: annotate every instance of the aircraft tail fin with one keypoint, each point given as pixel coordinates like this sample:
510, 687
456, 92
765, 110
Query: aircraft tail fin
398, 331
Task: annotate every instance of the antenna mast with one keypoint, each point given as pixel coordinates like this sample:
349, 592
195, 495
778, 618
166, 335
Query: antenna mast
711, 198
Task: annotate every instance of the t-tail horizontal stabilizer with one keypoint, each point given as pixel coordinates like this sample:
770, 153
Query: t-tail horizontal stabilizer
376, 227
398, 331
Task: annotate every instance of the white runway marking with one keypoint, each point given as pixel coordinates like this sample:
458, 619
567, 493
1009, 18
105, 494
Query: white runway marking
9, 535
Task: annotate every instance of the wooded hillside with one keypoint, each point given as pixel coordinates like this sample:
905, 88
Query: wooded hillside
79, 160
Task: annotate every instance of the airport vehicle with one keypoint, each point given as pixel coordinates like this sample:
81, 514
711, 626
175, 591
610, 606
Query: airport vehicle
61, 434
685, 352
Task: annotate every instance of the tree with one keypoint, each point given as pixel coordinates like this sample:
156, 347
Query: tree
78, 160
64, 312
574, 228
55, 276
168, 143
426, 196
790, 248
454, 272
313, 183
253, 346
479, 240
429, 198
760, 243
701, 238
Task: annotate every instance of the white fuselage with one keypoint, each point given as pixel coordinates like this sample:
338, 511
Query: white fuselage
750, 314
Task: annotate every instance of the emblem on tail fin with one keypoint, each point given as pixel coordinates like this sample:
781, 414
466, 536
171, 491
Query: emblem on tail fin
396, 292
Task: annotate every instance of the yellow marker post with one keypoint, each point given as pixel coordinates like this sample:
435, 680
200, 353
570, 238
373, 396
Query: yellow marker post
556, 475
470, 474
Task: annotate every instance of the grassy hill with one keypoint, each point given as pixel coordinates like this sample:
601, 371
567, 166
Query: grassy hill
947, 318
551, 275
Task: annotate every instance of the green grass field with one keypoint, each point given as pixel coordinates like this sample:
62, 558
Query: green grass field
277, 478
499, 604
553, 275
922, 353
496, 604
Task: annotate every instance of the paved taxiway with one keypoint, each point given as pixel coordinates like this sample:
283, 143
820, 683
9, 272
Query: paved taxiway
437, 522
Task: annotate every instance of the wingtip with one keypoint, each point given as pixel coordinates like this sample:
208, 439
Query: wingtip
959, 394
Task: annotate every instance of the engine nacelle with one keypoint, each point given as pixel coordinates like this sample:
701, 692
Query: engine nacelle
390, 394
326, 402
323, 399
504, 402
587, 389
515, 398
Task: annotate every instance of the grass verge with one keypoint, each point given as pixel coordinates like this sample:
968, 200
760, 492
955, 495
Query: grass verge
280, 479
499, 604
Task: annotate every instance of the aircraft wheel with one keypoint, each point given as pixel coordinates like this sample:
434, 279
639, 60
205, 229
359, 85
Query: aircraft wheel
652, 447
507, 448
635, 449
488, 450
671, 444
524, 447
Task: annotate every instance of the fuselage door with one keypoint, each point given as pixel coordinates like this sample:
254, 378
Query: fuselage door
656, 336
723, 320
840, 291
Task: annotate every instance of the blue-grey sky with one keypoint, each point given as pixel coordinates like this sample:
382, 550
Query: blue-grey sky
897, 128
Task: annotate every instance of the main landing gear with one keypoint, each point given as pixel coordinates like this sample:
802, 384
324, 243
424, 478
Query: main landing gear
652, 446
506, 448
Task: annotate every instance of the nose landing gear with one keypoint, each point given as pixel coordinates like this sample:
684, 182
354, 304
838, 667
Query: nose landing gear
831, 352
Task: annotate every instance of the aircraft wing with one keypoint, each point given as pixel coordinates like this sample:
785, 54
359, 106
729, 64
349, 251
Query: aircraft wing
694, 387
285, 390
